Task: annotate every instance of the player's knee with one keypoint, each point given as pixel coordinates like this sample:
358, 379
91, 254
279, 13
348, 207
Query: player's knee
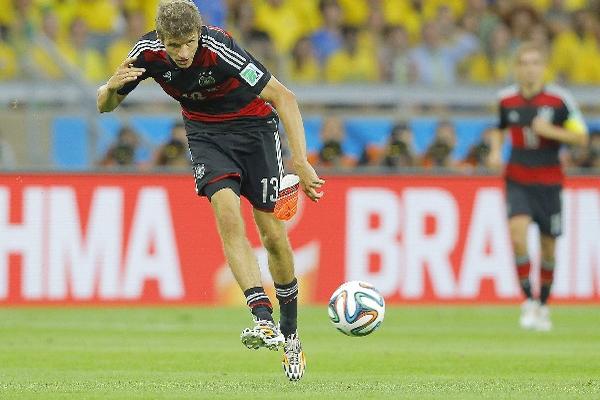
275, 241
519, 247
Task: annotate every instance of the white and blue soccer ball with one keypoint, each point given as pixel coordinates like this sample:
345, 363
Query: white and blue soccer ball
356, 308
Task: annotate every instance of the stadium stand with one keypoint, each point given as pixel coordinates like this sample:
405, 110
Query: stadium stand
307, 42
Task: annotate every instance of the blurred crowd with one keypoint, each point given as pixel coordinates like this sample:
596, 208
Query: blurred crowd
399, 151
433, 42
334, 151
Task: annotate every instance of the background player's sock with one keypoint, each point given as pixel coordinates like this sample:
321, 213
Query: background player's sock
259, 303
287, 295
523, 268
547, 275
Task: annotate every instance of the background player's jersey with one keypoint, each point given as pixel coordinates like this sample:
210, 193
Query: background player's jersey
533, 159
221, 86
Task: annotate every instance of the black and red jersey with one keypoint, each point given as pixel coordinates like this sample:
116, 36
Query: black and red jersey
534, 159
220, 87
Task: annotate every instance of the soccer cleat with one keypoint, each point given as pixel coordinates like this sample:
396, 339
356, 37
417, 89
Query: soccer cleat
529, 313
263, 334
294, 362
543, 322
287, 200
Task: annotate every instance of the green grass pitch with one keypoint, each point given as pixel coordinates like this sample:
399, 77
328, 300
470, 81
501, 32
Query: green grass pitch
420, 352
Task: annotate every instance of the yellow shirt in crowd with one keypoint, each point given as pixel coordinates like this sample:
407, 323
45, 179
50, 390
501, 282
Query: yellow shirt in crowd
358, 67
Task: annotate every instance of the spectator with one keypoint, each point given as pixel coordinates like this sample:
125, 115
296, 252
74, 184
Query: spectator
477, 156
492, 63
575, 54
594, 159
585, 157
372, 34
303, 66
25, 21
281, 21
328, 39
439, 153
393, 55
436, 63
123, 152
260, 45
520, 20
355, 12
351, 63
101, 18
557, 17
8, 60
487, 19
44, 58
332, 153
7, 155
213, 11
242, 20
118, 50
82, 57
174, 153
399, 150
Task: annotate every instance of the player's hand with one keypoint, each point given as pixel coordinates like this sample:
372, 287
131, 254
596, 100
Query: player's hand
309, 181
541, 126
124, 74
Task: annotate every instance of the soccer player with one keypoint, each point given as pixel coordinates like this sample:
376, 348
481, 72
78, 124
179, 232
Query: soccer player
539, 118
228, 102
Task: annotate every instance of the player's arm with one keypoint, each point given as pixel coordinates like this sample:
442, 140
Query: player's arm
108, 94
573, 131
286, 104
494, 160
495, 157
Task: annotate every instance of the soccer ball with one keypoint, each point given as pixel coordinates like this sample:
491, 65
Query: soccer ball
356, 308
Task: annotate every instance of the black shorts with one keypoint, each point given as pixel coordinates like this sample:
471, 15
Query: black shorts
249, 163
542, 203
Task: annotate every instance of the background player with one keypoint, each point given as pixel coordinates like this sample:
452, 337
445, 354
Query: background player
539, 118
226, 98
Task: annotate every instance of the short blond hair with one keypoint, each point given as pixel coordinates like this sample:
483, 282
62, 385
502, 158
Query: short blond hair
177, 19
528, 47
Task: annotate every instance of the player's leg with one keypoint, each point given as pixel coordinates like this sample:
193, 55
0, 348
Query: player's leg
263, 167
243, 264
549, 218
218, 177
281, 265
518, 228
519, 213
519, 218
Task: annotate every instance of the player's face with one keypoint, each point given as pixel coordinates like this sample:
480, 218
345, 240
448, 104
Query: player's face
182, 50
529, 69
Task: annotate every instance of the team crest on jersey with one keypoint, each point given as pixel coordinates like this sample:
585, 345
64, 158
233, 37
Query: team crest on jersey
546, 112
206, 79
168, 76
251, 74
199, 171
513, 116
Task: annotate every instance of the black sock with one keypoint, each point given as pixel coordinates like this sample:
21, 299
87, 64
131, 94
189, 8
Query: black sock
259, 303
547, 275
526, 287
545, 293
287, 295
523, 268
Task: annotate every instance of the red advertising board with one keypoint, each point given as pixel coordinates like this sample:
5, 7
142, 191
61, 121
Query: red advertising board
148, 239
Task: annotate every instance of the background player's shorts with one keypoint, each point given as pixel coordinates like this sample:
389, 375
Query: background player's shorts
541, 202
249, 163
